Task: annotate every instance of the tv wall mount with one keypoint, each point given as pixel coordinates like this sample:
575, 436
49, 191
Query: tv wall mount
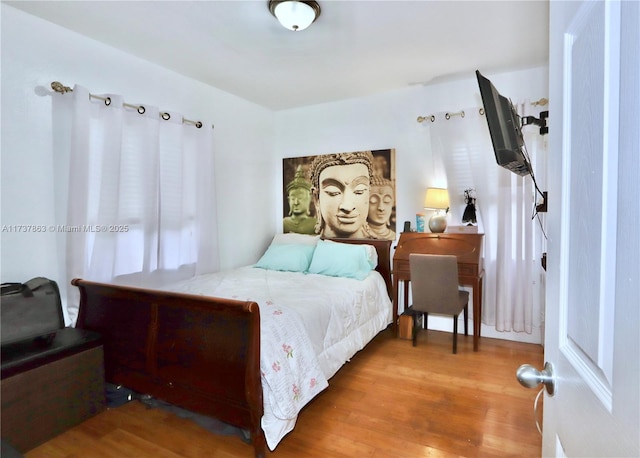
541, 122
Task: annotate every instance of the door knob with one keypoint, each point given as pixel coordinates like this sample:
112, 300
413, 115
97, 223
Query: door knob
530, 377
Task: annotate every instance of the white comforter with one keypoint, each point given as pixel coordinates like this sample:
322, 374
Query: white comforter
310, 325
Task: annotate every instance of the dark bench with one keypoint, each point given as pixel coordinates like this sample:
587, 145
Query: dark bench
49, 383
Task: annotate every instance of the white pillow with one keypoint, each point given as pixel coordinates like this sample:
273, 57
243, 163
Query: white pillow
372, 254
291, 238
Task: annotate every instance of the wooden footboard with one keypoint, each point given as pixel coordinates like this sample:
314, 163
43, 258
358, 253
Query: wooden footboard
199, 353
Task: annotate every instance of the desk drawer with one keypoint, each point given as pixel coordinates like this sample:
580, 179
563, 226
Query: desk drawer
469, 270
401, 266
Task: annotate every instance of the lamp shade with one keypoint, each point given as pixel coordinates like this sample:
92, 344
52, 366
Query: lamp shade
295, 15
436, 199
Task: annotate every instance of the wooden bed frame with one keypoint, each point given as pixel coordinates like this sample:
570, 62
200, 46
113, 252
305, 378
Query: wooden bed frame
197, 352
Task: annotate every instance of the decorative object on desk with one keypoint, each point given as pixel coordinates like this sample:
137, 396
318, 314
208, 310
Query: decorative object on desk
437, 199
462, 229
420, 222
407, 226
469, 215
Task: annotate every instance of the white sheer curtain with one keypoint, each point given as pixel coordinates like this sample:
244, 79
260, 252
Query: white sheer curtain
462, 151
141, 204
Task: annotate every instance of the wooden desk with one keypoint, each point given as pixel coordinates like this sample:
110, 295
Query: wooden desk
466, 246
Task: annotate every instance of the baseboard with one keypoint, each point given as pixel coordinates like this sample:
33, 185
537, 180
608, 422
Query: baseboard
443, 323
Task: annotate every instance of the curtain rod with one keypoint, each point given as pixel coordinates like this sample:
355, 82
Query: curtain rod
62, 89
449, 115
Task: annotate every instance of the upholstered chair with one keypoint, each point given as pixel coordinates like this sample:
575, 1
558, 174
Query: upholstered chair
435, 290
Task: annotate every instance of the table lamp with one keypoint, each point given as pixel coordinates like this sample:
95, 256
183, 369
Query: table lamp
437, 199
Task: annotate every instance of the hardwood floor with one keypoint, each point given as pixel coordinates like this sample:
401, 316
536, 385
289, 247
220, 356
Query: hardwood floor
391, 400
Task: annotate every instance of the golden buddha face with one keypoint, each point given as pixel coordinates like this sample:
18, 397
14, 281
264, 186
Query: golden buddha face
380, 204
299, 201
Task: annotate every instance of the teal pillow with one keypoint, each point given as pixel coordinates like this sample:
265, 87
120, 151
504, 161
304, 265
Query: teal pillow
286, 257
341, 260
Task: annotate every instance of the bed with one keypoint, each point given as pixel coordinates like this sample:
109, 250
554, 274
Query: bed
250, 346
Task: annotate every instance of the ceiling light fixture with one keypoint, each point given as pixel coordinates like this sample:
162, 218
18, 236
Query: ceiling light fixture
295, 15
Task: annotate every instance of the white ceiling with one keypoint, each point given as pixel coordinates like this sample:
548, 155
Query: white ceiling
355, 48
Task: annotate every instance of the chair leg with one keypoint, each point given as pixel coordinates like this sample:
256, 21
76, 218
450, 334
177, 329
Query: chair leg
466, 320
455, 334
415, 329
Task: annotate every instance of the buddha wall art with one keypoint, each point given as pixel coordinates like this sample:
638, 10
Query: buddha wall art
343, 195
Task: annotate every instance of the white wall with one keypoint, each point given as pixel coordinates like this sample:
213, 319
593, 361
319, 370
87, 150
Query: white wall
35, 53
249, 139
389, 121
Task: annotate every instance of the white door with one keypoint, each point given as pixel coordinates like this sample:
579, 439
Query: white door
592, 333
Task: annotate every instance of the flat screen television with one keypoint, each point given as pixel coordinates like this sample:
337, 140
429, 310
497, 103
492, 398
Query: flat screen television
504, 129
